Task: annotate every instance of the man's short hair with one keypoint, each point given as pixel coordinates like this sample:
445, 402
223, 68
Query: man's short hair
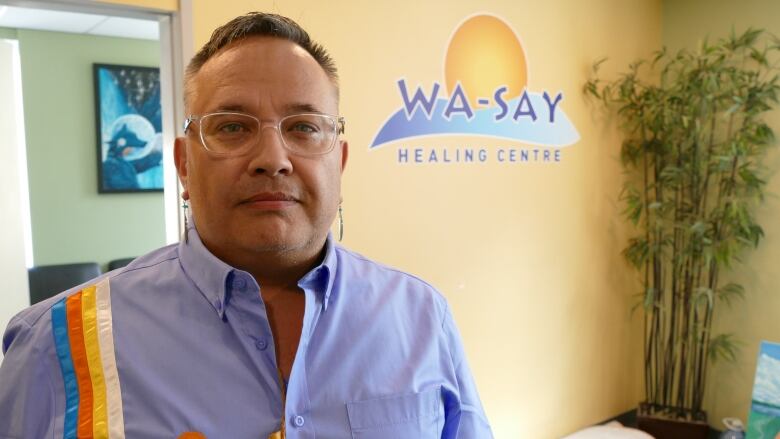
258, 24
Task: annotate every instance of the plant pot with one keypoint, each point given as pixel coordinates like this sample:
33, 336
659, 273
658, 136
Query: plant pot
666, 428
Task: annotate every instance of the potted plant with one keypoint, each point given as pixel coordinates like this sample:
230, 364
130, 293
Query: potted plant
693, 154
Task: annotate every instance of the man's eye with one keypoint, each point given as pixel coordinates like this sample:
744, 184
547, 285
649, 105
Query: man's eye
232, 127
303, 127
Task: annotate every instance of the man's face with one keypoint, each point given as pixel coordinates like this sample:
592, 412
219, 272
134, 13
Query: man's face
269, 199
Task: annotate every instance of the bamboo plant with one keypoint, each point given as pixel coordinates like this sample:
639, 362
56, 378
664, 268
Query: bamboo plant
694, 149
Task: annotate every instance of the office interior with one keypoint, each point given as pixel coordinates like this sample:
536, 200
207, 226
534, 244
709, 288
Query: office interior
528, 252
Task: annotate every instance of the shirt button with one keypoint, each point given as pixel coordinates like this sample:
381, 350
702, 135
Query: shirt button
299, 421
239, 283
261, 344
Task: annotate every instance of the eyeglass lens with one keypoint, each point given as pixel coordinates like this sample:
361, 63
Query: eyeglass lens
235, 132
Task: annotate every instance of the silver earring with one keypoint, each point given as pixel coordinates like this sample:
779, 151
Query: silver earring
186, 206
341, 223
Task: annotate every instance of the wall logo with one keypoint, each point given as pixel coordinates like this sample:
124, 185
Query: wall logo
485, 75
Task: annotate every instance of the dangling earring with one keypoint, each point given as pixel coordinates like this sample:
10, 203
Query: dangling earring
186, 206
341, 223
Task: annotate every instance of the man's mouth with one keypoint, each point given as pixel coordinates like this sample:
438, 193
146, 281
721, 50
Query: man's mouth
270, 201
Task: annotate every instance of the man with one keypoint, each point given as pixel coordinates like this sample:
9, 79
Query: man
257, 325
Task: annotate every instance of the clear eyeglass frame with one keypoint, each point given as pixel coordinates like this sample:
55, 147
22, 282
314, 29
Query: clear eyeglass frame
338, 124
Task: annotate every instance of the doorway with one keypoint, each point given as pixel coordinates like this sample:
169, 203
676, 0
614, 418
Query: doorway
69, 220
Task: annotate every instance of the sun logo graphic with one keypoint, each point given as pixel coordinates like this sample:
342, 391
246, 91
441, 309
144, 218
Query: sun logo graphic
484, 94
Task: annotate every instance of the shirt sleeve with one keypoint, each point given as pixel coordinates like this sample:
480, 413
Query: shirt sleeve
464, 416
26, 392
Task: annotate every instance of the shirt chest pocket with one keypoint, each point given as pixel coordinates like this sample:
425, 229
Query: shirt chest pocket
416, 415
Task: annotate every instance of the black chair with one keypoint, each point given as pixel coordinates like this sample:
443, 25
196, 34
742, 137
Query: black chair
119, 263
49, 280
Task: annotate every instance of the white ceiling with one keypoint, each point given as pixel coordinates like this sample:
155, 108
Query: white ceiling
78, 23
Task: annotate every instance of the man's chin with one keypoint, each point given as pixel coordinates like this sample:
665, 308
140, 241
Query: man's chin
266, 241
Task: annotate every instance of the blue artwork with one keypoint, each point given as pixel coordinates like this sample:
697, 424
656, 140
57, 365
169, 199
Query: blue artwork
129, 128
764, 420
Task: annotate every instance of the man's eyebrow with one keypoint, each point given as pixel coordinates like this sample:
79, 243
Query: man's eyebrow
301, 108
293, 108
230, 108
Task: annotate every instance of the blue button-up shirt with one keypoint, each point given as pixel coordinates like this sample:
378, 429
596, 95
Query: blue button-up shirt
178, 341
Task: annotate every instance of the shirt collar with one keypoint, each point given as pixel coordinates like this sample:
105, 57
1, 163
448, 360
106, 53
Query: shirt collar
211, 275
320, 278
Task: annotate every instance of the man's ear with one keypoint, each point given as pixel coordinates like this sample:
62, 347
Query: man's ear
180, 159
344, 154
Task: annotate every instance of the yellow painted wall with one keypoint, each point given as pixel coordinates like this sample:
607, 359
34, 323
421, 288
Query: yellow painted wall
527, 255
685, 24
162, 5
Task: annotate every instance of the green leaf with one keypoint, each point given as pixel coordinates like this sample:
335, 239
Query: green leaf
637, 306
759, 57
597, 65
637, 252
731, 291
749, 37
698, 228
723, 346
703, 296
649, 299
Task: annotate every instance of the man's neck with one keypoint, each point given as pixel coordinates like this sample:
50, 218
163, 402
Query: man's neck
273, 268
281, 271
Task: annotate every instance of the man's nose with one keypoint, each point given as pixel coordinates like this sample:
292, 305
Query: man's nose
269, 156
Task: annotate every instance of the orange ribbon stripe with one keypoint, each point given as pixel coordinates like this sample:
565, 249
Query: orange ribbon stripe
80, 364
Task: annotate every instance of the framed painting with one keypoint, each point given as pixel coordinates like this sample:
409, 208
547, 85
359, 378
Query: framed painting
764, 418
129, 128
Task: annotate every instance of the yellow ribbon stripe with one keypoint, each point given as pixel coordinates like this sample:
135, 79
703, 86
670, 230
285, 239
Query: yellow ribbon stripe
99, 409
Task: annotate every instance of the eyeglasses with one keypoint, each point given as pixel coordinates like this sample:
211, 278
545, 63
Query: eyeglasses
232, 134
